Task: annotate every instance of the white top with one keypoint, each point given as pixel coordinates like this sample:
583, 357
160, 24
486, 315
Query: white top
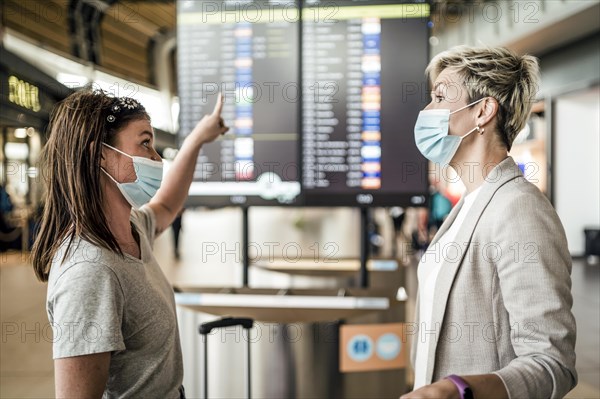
427, 273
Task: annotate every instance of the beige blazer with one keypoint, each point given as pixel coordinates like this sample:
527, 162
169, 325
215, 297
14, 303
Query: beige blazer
503, 305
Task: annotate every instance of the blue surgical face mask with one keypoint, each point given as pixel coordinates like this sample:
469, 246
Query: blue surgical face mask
432, 138
149, 175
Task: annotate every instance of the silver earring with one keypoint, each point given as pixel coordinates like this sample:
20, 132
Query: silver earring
480, 130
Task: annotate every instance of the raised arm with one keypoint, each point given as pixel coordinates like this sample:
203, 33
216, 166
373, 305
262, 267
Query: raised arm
170, 198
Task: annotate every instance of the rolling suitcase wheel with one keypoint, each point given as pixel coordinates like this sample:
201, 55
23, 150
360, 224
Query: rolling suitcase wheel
206, 328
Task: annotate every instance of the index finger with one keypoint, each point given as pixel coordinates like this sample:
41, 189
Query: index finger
218, 105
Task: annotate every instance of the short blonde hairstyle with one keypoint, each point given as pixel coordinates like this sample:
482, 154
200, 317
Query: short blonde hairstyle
494, 72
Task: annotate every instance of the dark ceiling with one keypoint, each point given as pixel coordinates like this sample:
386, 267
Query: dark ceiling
117, 35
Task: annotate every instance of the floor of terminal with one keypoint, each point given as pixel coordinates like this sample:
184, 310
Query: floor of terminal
26, 369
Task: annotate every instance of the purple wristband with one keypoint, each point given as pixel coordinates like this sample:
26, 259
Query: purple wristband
463, 388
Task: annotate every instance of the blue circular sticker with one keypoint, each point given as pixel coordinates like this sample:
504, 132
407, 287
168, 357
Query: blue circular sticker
360, 348
388, 346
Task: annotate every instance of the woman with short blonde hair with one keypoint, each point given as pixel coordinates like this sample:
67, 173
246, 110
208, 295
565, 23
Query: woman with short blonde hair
494, 305
495, 72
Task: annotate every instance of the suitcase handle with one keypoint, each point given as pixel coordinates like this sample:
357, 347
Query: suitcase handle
206, 328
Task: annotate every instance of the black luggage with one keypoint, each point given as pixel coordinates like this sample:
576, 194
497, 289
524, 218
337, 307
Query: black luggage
206, 328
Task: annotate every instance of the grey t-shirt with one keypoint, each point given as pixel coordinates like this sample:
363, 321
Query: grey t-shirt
98, 301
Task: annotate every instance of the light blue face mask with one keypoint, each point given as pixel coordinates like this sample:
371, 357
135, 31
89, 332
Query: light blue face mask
432, 138
149, 175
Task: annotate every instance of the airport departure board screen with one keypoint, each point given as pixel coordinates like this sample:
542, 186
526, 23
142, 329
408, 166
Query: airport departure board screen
249, 51
363, 69
321, 98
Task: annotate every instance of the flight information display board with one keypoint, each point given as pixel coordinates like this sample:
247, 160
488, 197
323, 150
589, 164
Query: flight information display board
249, 51
364, 85
321, 100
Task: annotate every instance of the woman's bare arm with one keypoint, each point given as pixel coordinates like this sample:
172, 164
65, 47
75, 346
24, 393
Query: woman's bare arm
81, 376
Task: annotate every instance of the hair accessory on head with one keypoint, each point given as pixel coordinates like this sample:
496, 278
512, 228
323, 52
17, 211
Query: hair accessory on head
129, 102
125, 103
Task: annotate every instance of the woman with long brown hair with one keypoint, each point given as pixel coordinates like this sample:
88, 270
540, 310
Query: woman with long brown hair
111, 308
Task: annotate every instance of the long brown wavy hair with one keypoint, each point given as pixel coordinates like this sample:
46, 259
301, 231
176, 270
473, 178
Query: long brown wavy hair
70, 165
